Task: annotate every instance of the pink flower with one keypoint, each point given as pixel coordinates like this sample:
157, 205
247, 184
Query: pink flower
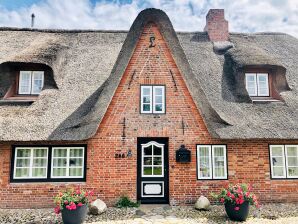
91, 193
229, 194
222, 200
78, 192
68, 207
233, 196
80, 204
236, 208
66, 202
57, 210
247, 194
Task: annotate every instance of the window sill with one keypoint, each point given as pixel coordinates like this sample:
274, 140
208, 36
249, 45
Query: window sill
19, 100
264, 100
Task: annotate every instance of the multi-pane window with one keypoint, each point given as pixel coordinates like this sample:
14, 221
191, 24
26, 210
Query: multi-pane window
50, 163
284, 161
30, 82
211, 162
153, 99
257, 84
67, 162
31, 163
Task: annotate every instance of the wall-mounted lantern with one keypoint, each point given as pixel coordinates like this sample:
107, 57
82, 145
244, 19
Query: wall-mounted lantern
183, 155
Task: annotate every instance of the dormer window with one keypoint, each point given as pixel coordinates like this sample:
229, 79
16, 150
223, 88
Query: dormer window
30, 82
257, 84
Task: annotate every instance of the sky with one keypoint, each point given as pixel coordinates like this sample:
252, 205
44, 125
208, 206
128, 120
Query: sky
186, 15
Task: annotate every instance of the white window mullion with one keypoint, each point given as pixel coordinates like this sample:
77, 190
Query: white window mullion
67, 162
287, 160
31, 163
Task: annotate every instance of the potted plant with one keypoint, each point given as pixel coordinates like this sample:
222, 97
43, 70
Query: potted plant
73, 204
237, 199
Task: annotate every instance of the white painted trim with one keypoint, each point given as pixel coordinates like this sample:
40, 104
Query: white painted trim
31, 162
152, 195
67, 162
198, 161
153, 143
267, 84
286, 155
20, 81
225, 161
142, 101
32, 81
163, 99
283, 160
255, 83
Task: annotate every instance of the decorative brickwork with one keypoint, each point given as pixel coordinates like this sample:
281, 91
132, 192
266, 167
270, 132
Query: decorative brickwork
110, 177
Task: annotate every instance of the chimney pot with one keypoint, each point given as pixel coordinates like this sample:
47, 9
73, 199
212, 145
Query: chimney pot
216, 25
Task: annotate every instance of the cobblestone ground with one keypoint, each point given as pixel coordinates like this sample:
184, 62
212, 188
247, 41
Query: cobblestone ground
267, 214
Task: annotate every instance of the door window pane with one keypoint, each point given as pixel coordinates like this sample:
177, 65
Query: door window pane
152, 159
157, 170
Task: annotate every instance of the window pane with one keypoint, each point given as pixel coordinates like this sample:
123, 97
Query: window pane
58, 172
39, 172
158, 90
75, 171
158, 107
39, 162
148, 150
23, 152
22, 172
158, 99
278, 171
277, 151
60, 152
23, 163
157, 150
251, 84
204, 162
146, 91
219, 162
59, 162
219, 172
76, 153
146, 99
293, 171
157, 171
147, 170
263, 87
37, 82
147, 160
157, 161
146, 107
75, 162
292, 150
25, 82
40, 152
218, 151
277, 161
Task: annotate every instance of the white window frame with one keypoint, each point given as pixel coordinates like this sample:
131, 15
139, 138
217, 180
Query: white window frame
153, 143
152, 96
142, 100
212, 162
257, 83
31, 83
285, 162
67, 162
31, 162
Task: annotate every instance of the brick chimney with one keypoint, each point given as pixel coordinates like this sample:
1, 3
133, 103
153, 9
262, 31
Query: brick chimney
216, 25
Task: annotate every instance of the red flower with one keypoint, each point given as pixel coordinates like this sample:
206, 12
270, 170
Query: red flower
57, 210
91, 193
222, 200
80, 204
78, 192
236, 208
66, 202
247, 194
229, 194
68, 207
233, 196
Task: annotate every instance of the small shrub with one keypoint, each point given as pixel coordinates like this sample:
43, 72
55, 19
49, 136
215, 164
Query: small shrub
125, 202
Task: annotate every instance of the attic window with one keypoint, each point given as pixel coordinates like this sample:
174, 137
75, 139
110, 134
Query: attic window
257, 84
30, 82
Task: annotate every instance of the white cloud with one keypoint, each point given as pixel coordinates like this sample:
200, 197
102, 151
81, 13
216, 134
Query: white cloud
186, 15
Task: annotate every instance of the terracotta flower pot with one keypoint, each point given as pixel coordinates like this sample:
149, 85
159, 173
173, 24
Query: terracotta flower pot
76, 216
237, 215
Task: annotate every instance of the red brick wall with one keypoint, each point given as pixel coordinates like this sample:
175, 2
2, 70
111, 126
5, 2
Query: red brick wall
110, 177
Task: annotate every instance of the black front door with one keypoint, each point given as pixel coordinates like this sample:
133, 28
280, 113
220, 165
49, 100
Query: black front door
153, 174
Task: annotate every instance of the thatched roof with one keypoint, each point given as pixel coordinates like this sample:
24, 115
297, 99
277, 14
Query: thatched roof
88, 65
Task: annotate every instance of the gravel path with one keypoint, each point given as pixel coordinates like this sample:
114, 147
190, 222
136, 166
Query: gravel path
268, 214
